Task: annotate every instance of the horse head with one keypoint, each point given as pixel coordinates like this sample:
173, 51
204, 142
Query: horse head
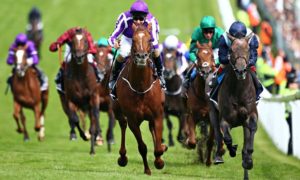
169, 57
205, 59
79, 46
239, 55
21, 60
102, 58
141, 44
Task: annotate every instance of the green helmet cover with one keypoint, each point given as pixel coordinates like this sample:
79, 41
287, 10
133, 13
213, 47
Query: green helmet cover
102, 42
207, 22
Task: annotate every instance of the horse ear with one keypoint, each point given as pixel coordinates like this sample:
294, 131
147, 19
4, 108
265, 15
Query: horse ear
149, 27
230, 37
134, 27
249, 36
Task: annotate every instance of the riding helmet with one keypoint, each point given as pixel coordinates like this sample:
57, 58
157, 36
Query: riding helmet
171, 42
238, 29
21, 39
139, 6
207, 22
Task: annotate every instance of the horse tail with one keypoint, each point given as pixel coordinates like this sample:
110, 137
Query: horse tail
242, 113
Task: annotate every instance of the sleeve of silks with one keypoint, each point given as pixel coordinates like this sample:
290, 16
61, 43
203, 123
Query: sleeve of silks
253, 50
223, 51
11, 57
119, 28
62, 39
33, 53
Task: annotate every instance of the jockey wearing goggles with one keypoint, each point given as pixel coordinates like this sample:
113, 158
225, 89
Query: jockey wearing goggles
66, 37
138, 14
172, 43
32, 58
207, 31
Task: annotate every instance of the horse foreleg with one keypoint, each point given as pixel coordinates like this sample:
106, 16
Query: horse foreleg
170, 127
44, 101
111, 124
180, 136
250, 128
227, 138
191, 140
37, 115
159, 147
16, 115
209, 145
214, 122
94, 127
74, 120
122, 161
23, 120
135, 129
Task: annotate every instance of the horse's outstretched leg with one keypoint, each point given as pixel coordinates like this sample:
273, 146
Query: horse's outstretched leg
16, 115
191, 140
250, 128
41, 134
23, 120
83, 124
181, 119
44, 98
170, 127
134, 127
37, 115
214, 122
123, 160
209, 145
74, 121
110, 134
227, 138
94, 127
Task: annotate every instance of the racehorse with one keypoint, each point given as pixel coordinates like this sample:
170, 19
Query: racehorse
174, 103
236, 103
197, 104
27, 94
35, 34
81, 88
140, 98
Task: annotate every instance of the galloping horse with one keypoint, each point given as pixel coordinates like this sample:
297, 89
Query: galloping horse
197, 104
174, 103
35, 34
236, 103
140, 98
27, 94
81, 88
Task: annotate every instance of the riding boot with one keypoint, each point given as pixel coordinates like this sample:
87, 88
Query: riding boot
59, 80
257, 84
42, 78
117, 66
186, 82
159, 70
98, 73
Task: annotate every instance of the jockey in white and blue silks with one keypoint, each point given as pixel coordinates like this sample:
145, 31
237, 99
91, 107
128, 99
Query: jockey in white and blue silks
32, 58
138, 14
172, 43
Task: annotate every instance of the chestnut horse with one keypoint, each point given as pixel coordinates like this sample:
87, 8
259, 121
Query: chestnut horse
174, 103
197, 104
140, 98
35, 34
236, 103
81, 88
27, 94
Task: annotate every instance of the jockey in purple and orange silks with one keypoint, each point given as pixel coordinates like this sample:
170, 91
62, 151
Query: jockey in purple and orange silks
172, 43
66, 37
32, 58
138, 14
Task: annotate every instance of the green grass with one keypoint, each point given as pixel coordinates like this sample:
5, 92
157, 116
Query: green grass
57, 157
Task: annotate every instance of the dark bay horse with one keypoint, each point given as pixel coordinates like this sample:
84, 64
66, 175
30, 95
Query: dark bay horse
81, 88
27, 94
237, 103
174, 103
140, 98
35, 34
198, 104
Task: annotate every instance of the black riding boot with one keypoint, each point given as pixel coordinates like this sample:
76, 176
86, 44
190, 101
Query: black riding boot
59, 80
186, 82
257, 84
159, 70
42, 78
117, 66
98, 73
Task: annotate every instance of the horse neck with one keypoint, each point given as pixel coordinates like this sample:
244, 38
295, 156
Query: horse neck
199, 86
235, 84
140, 78
80, 69
174, 83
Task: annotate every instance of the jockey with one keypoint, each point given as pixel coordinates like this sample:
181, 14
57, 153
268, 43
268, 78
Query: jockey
103, 42
138, 14
66, 37
32, 58
172, 43
34, 14
239, 30
207, 31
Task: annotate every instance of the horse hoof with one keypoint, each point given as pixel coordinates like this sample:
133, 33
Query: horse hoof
99, 141
87, 135
208, 163
171, 143
218, 160
159, 164
92, 153
191, 145
164, 147
20, 130
247, 164
26, 139
122, 161
111, 141
41, 138
82, 135
73, 137
37, 128
148, 172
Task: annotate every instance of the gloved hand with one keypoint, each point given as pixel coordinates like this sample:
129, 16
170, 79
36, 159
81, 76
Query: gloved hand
53, 47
